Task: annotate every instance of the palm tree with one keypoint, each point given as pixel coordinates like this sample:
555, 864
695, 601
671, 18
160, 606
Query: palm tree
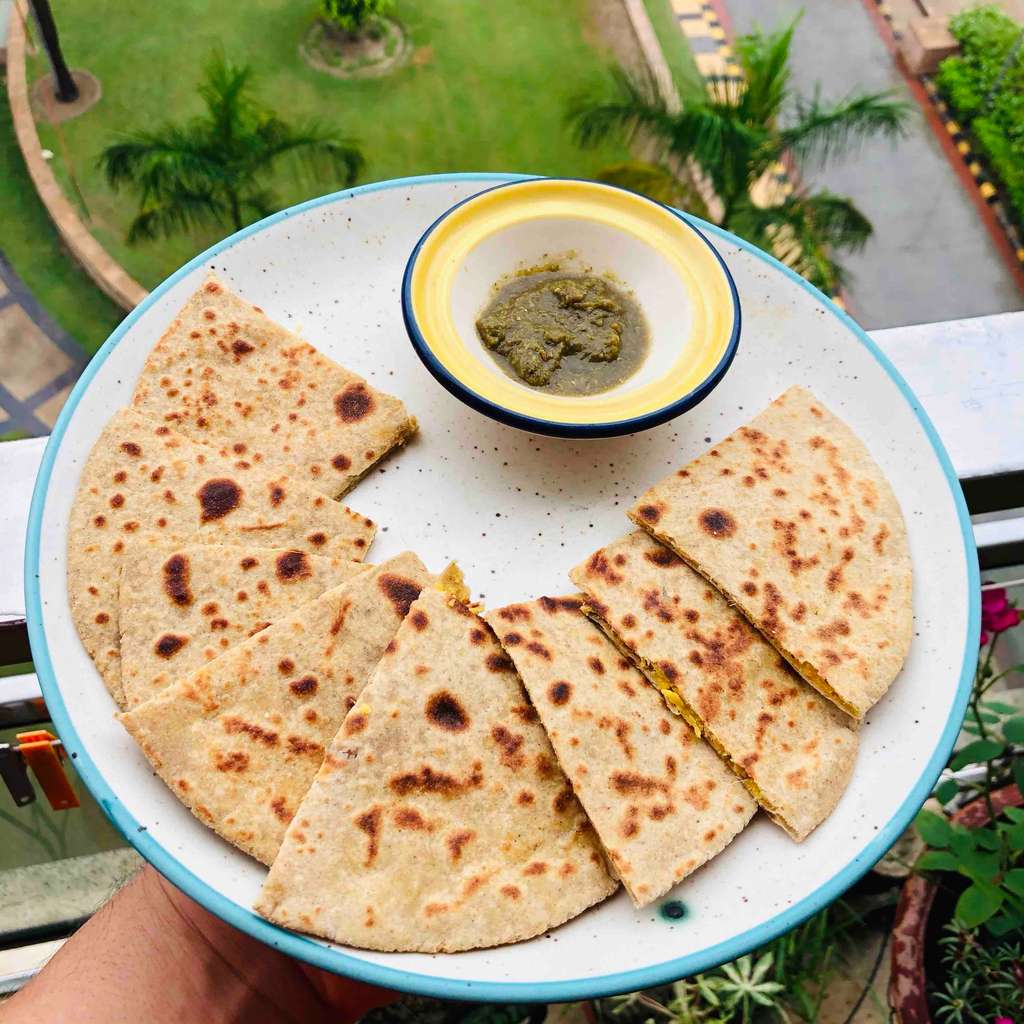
734, 134
212, 170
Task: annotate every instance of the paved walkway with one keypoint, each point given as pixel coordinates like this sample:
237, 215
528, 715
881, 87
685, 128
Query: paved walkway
39, 362
930, 257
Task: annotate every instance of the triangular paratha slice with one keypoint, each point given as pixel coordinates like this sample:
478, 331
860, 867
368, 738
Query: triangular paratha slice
240, 740
440, 820
661, 800
793, 749
794, 522
143, 483
169, 629
226, 374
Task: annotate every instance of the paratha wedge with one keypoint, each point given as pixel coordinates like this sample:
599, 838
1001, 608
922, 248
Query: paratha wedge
795, 523
181, 607
661, 800
793, 749
145, 484
440, 820
226, 374
240, 740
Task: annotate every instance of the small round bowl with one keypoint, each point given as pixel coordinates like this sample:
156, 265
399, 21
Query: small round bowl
680, 282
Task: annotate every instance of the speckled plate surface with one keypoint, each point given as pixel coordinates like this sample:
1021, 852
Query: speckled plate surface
518, 511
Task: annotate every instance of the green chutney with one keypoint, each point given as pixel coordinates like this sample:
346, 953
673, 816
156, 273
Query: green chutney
563, 333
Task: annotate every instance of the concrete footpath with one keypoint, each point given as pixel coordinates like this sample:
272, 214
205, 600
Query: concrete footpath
930, 258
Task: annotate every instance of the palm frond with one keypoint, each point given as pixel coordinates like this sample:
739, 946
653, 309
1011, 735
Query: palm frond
157, 162
823, 131
223, 90
633, 104
805, 232
657, 182
316, 150
180, 210
262, 202
764, 58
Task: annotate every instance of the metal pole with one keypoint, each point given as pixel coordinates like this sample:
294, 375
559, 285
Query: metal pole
66, 91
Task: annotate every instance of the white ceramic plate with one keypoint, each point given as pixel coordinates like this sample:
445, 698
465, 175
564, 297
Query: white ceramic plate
518, 511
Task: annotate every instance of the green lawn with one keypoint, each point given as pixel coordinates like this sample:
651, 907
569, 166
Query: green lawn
30, 241
674, 46
486, 89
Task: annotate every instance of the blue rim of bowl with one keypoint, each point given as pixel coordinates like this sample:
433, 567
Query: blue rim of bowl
323, 956
556, 428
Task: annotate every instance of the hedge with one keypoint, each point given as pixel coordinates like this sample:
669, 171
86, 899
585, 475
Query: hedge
984, 85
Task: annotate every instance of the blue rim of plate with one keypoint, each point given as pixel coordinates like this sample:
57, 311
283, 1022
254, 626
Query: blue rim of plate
339, 962
556, 428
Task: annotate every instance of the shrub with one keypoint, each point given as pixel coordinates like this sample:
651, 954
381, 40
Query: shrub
985, 87
352, 16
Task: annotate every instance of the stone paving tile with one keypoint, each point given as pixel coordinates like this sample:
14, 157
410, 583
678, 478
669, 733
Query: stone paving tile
28, 358
38, 360
48, 411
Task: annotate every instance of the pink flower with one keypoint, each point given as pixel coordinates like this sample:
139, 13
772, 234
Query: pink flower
997, 614
984, 639
1003, 1020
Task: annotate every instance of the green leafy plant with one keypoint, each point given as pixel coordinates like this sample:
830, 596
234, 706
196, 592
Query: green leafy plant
783, 981
354, 16
984, 85
982, 983
734, 135
212, 171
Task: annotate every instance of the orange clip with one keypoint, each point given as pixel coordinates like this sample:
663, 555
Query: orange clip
46, 761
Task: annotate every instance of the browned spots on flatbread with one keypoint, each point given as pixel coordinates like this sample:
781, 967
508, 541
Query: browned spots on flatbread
117, 501
665, 726
663, 557
304, 687
650, 513
879, 539
515, 613
622, 730
563, 800
539, 650
131, 448
545, 767
286, 666
369, 822
525, 713
177, 580
419, 620
234, 761
102, 617
277, 494
341, 463
280, 809
552, 605
292, 566
355, 724
717, 522
218, 498
536, 867
353, 403
653, 603
427, 780
444, 711
401, 592
499, 663
749, 588
477, 636
836, 628
410, 818
598, 565
248, 562
525, 798
632, 783
120, 476
510, 745
300, 745
596, 665
235, 725
511, 891
512, 639
559, 692
100, 521
457, 841
169, 644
